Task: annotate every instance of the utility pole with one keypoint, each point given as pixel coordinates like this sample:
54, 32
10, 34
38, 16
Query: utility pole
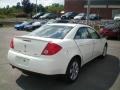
88, 11
36, 6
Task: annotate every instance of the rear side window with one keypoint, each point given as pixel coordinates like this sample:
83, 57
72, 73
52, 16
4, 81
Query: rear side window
82, 33
52, 31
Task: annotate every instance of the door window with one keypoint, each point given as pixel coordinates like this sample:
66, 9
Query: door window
82, 33
93, 33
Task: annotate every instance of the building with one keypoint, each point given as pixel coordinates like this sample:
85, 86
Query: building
105, 8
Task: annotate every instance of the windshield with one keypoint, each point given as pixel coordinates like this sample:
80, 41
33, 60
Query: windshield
46, 14
37, 14
51, 21
113, 26
52, 31
68, 13
92, 15
81, 14
24, 23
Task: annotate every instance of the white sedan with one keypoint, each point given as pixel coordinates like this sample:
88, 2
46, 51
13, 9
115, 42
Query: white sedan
57, 49
117, 17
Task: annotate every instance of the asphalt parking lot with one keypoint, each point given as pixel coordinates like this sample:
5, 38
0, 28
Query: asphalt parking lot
100, 74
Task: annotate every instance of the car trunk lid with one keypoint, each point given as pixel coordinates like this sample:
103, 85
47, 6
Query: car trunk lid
32, 46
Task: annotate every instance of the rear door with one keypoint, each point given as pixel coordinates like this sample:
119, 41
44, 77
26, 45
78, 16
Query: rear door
84, 43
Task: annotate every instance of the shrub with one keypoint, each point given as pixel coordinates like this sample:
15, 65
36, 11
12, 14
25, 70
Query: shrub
21, 15
3, 16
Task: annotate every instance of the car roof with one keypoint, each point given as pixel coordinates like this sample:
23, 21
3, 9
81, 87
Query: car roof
68, 24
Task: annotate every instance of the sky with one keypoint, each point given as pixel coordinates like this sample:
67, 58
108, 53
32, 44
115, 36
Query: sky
4, 3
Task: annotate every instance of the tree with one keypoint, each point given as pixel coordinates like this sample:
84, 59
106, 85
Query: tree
40, 8
27, 6
18, 5
55, 8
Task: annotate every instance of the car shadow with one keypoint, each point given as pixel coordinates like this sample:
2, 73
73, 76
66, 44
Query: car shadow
99, 74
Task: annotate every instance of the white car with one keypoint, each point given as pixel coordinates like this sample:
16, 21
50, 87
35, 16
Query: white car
80, 16
36, 24
117, 17
57, 49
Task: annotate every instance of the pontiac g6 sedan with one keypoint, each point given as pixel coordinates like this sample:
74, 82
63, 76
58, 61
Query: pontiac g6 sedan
57, 49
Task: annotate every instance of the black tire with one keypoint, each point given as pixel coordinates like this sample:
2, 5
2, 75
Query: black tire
104, 53
73, 70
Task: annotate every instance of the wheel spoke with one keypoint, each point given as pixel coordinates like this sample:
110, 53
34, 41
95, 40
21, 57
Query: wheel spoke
74, 70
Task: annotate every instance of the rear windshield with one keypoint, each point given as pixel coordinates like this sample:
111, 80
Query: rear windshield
113, 25
52, 31
81, 14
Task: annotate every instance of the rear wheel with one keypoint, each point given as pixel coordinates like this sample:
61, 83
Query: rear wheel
73, 70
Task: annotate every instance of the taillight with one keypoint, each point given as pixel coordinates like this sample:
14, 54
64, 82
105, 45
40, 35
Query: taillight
51, 49
12, 44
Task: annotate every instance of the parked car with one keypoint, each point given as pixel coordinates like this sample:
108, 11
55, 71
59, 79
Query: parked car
117, 17
94, 17
69, 15
57, 21
20, 26
34, 25
49, 16
111, 30
36, 16
80, 16
56, 49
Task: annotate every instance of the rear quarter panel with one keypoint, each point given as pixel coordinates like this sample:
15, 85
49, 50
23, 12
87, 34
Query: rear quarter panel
70, 49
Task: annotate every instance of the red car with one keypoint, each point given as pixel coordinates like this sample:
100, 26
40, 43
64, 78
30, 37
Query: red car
111, 30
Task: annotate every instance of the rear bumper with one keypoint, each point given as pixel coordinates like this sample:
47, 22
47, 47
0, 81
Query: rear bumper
45, 66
